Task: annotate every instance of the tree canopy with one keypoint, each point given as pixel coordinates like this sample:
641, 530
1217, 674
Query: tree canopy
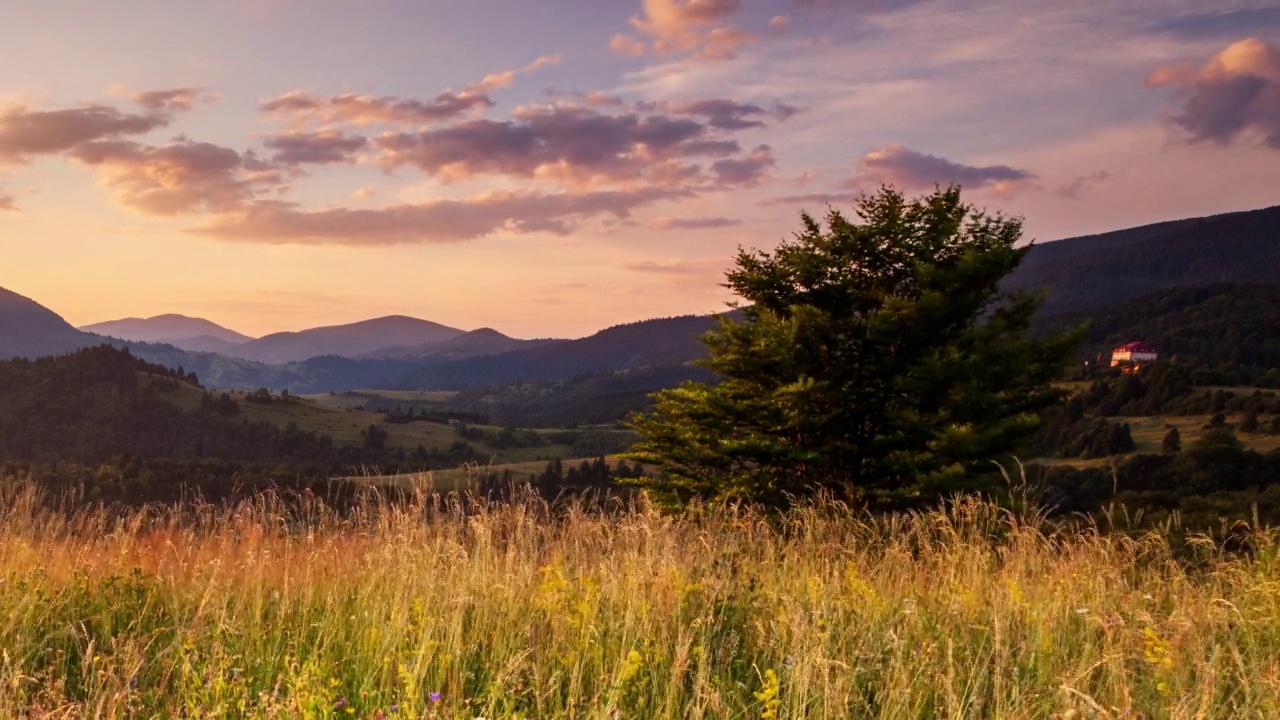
876, 358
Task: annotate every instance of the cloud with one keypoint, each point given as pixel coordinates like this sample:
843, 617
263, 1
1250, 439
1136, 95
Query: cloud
685, 26
322, 147
1237, 92
1232, 22
908, 169
810, 199
167, 100
591, 99
364, 193
7, 204
180, 177
1078, 186
723, 43
628, 45
678, 273
702, 223
437, 221
729, 115
299, 107
744, 171
495, 81
569, 145
26, 133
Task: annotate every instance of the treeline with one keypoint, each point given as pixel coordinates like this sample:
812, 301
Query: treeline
99, 418
1214, 477
591, 479
1226, 333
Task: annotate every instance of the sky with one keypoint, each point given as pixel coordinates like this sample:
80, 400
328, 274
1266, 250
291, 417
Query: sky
553, 168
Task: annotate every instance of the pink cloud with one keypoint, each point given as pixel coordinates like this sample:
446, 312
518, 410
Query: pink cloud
322, 147
299, 108
1236, 92
685, 26
174, 99
701, 223
1078, 186
744, 171
572, 146
7, 204
908, 169
438, 221
495, 81
181, 177
26, 133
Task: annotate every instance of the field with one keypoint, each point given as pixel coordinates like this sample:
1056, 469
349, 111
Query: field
467, 478
328, 415
435, 610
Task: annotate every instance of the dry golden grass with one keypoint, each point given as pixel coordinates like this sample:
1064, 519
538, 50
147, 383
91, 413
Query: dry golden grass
510, 611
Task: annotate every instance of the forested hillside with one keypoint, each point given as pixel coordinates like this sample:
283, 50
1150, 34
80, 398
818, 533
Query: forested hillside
1097, 270
98, 418
1221, 324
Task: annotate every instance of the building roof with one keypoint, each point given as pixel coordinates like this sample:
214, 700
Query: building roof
1137, 347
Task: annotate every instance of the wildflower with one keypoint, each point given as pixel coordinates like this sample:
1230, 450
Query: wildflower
435, 697
768, 696
1082, 611
341, 702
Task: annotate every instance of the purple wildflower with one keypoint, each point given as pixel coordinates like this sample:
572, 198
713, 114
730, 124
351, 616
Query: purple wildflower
435, 697
341, 702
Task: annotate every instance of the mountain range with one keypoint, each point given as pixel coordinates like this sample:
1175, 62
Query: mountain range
187, 333
28, 329
352, 340
1104, 273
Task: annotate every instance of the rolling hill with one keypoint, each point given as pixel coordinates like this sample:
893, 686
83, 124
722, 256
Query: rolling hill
664, 341
350, 341
187, 333
28, 329
1215, 324
1088, 272
485, 341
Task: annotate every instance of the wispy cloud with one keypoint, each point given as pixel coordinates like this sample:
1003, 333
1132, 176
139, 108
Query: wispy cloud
503, 79
699, 223
299, 108
1237, 92
7, 204
439, 221
1078, 186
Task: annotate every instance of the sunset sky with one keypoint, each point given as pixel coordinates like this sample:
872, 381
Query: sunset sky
551, 168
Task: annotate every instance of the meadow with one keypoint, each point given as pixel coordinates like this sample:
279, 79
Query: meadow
448, 608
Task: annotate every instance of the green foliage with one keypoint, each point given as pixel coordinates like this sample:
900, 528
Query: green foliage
1172, 441
874, 359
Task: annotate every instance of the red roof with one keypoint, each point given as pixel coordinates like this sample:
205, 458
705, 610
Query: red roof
1137, 347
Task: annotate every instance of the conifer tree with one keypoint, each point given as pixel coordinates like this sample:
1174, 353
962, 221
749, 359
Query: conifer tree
875, 358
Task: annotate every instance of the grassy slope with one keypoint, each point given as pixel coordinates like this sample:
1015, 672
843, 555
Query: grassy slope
969, 613
345, 425
468, 478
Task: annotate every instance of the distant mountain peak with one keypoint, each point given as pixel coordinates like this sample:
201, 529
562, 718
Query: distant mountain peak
169, 328
29, 329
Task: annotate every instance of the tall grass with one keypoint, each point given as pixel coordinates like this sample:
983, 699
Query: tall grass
449, 609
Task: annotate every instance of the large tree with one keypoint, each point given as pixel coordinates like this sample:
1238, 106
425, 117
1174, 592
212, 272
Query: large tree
874, 359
